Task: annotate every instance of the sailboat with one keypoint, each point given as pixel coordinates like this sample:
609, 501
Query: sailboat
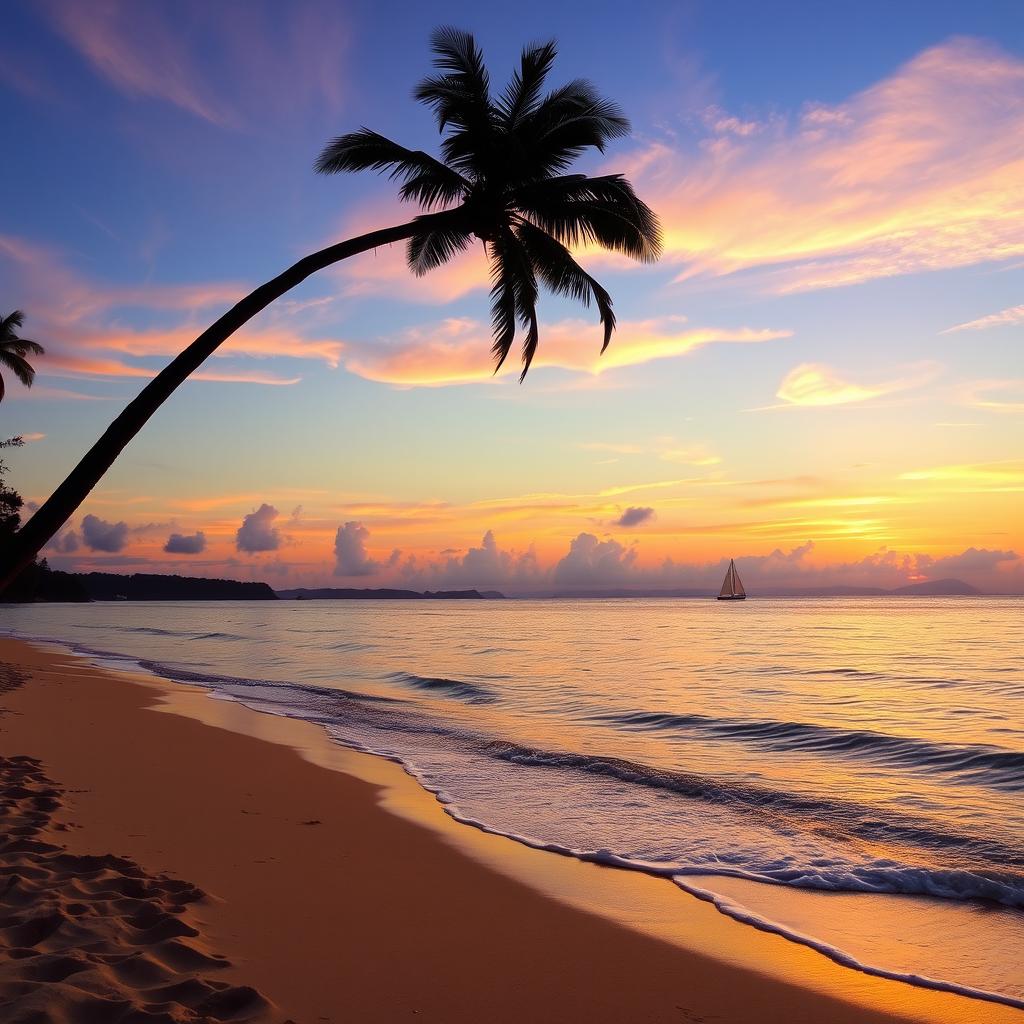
732, 588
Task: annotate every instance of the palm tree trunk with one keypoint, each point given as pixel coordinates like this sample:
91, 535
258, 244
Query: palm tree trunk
34, 535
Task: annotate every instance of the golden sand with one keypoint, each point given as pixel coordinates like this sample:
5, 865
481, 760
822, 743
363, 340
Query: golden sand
243, 867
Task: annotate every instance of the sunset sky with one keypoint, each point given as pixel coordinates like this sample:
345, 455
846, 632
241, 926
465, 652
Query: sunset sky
823, 377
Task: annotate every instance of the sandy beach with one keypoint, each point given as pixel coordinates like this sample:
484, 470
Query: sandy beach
215, 863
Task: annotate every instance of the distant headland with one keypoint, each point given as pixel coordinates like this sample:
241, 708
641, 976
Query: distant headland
55, 586
386, 594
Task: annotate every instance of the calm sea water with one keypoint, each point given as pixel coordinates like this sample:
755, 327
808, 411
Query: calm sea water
760, 755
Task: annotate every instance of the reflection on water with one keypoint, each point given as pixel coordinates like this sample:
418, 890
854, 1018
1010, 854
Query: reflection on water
864, 746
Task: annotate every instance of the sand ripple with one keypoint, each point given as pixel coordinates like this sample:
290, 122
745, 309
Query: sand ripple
95, 939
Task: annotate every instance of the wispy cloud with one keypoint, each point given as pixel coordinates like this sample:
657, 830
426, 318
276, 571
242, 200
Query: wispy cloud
457, 351
140, 52
81, 322
261, 342
922, 171
667, 449
1004, 318
111, 369
812, 384
254, 62
989, 476
997, 394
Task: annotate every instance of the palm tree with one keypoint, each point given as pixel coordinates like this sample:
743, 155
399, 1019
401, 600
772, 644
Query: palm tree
502, 179
14, 349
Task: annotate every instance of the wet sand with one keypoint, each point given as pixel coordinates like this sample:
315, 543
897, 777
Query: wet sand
190, 859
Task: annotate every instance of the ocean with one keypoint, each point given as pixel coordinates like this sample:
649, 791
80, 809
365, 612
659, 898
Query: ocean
846, 772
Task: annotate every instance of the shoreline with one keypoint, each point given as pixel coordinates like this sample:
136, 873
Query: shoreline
414, 913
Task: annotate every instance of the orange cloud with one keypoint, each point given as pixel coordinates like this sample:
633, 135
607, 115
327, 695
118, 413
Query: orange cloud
922, 171
457, 351
76, 314
257, 342
74, 366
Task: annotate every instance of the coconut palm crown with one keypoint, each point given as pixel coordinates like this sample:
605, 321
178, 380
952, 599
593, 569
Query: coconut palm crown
503, 180
14, 351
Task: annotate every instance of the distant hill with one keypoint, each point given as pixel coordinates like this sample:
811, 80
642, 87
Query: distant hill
109, 586
626, 592
939, 588
355, 594
931, 588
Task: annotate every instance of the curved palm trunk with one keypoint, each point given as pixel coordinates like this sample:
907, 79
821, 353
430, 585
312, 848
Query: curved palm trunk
33, 536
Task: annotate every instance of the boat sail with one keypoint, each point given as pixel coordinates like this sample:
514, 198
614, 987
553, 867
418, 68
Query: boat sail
732, 588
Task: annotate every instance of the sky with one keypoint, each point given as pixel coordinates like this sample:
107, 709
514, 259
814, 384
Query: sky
823, 376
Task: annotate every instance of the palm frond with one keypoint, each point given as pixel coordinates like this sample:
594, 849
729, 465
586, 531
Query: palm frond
503, 307
18, 365
461, 94
431, 190
450, 97
10, 323
435, 246
24, 347
577, 209
426, 178
555, 266
518, 274
456, 53
566, 123
522, 94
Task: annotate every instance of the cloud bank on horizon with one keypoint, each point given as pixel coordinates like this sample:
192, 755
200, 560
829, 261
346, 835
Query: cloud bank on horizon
592, 562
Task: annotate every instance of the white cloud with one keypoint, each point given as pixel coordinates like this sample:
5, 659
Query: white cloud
487, 566
351, 557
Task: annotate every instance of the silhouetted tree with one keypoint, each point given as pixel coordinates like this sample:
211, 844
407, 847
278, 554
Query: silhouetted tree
502, 179
14, 349
22, 587
11, 502
35, 581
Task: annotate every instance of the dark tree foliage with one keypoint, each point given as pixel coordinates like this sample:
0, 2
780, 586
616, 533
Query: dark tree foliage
11, 502
36, 582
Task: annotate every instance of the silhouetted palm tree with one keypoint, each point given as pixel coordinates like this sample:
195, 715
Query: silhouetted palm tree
502, 180
14, 349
